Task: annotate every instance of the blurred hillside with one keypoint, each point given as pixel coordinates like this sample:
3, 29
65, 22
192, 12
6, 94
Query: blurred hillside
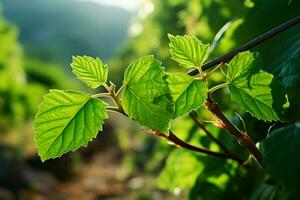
23, 82
54, 30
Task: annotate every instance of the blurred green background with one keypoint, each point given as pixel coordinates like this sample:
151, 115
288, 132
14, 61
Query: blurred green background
37, 41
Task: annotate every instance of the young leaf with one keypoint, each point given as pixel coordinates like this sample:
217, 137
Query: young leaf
243, 65
90, 70
146, 95
257, 92
188, 51
282, 155
67, 120
187, 92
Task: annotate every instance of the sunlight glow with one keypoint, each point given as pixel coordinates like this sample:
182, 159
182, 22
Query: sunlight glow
126, 4
146, 9
135, 29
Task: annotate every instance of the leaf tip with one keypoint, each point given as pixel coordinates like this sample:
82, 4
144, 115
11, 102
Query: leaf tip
170, 36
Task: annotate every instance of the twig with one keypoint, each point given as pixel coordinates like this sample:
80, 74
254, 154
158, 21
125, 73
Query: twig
180, 143
242, 137
201, 126
115, 97
243, 122
214, 70
256, 41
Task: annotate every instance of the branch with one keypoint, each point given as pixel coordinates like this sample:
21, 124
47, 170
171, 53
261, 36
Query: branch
180, 143
201, 126
242, 137
256, 41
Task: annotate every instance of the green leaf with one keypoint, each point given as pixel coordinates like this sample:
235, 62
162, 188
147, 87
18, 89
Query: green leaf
282, 155
146, 95
90, 70
290, 71
243, 65
187, 92
181, 170
257, 92
290, 77
264, 192
67, 120
262, 96
188, 51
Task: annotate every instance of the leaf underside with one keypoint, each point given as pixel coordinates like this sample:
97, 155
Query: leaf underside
67, 120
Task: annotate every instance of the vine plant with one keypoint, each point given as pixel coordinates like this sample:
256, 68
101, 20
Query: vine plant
69, 119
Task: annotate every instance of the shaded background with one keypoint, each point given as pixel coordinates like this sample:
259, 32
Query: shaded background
37, 41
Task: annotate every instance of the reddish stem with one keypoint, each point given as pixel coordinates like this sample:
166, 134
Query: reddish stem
180, 143
242, 137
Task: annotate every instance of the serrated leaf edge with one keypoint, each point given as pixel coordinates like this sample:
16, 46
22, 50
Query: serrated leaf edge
38, 113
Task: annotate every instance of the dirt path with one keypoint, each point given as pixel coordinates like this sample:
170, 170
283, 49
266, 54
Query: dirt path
99, 179
96, 179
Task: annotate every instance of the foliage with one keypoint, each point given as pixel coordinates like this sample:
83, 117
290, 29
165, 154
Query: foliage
258, 92
146, 96
281, 147
187, 92
67, 120
188, 51
177, 173
161, 100
234, 22
16, 104
23, 82
91, 71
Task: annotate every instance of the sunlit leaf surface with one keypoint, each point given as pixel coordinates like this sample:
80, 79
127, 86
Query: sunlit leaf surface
67, 120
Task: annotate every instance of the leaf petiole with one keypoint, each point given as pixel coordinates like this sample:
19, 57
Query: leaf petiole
101, 95
108, 88
214, 70
217, 87
114, 96
112, 108
120, 90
